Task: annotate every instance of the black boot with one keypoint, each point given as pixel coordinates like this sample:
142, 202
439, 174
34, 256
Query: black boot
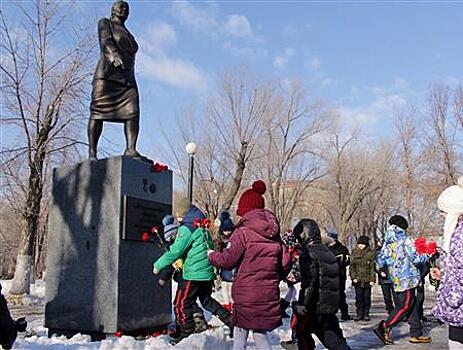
225, 317
346, 317
367, 316
359, 316
185, 331
283, 306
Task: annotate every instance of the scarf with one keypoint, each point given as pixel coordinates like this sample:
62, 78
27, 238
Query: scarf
450, 201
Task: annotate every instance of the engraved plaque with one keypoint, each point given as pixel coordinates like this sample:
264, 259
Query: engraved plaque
140, 215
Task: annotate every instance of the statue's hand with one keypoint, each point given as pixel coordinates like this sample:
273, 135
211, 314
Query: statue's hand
117, 62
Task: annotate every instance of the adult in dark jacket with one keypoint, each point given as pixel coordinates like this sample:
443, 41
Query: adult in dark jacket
363, 275
342, 255
9, 328
263, 261
319, 296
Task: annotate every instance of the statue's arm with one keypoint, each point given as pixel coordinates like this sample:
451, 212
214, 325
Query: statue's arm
107, 45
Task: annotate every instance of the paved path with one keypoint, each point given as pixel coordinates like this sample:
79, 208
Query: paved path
360, 335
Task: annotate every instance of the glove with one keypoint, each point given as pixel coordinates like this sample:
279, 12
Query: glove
301, 309
155, 270
383, 274
355, 280
372, 284
161, 282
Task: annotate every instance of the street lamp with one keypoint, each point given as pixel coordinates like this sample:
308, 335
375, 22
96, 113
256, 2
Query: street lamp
191, 150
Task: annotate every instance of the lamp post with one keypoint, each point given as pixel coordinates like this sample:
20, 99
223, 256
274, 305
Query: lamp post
191, 150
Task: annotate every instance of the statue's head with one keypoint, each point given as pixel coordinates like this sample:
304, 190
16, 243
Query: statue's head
120, 9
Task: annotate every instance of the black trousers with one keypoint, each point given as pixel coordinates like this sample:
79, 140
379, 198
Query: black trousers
342, 297
389, 296
456, 334
180, 316
325, 327
362, 300
201, 290
406, 307
7, 326
420, 295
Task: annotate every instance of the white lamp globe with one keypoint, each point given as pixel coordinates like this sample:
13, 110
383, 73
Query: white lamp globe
191, 148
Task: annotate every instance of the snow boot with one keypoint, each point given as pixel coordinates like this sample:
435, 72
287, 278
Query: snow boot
383, 334
185, 331
283, 306
200, 322
420, 339
346, 317
359, 316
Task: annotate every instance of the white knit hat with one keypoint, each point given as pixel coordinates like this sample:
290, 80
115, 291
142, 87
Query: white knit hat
450, 201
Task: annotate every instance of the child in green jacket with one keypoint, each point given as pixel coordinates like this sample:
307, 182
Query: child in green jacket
192, 243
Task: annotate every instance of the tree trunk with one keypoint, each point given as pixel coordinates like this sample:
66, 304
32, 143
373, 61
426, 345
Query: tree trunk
22, 276
240, 166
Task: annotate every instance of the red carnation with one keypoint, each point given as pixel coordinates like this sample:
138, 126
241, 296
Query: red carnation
197, 223
156, 167
206, 223
145, 236
119, 334
165, 167
431, 248
420, 245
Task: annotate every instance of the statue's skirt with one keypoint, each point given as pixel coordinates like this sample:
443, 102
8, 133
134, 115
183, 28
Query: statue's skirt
114, 101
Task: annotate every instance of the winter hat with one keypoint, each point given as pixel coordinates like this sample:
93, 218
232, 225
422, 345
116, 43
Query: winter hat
364, 240
170, 227
252, 199
399, 221
307, 232
226, 224
450, 201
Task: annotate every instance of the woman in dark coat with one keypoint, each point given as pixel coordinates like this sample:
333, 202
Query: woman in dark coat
115, 93
262, 260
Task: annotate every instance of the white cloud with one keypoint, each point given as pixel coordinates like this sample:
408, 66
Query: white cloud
198, 19
156, 64
248, 52
172, 71
282, 60
237, 26
206, 20
380, 107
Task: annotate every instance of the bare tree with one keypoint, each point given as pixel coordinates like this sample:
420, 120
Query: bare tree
289, 161
44, 68
226, 132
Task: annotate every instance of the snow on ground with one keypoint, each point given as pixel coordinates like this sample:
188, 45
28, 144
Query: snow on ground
359, 334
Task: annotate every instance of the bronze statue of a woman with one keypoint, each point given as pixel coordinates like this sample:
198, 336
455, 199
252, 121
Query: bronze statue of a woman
115, 93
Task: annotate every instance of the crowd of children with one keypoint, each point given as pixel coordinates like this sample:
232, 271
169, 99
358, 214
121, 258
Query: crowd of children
252, 259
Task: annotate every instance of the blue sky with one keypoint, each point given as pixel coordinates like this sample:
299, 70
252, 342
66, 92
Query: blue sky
362, 57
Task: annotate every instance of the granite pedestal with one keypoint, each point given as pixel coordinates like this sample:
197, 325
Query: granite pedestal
98, 269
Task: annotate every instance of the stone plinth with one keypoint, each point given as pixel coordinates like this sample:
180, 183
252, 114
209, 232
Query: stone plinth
98, 270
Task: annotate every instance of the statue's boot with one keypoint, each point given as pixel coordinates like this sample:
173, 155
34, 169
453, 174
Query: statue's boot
132, 153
